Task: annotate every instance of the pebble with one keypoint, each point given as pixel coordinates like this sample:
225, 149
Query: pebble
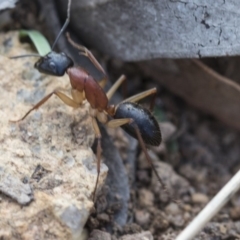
138, 236
146, 198
160, 221
172, 209
103, 217
99, 235
167, 129
235, 213
177, 221
200, 198
187, 207
223, 229
187, 216
142, 217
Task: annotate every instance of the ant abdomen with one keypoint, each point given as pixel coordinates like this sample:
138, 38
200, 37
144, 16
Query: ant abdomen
143, 119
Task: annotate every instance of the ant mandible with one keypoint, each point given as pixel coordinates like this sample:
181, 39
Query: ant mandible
133, 118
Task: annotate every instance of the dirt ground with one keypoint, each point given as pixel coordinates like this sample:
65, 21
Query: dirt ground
195, 161
204, 154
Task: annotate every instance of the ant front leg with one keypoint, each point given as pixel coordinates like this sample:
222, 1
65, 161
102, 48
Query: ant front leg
68, 101
85, 52
118, 122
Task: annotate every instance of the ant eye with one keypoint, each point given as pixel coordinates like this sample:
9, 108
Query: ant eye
52, 65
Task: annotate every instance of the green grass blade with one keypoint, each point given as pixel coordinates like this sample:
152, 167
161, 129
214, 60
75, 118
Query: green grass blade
39, 41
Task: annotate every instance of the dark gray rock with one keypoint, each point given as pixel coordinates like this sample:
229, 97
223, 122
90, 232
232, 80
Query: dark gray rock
5, 4
138, 29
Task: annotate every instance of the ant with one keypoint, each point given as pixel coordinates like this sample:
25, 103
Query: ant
133, 118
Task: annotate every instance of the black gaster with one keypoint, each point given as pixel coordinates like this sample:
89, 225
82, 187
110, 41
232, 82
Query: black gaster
146, 122
54, 64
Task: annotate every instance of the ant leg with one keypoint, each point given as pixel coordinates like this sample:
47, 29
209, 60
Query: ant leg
89, 55
86, 52
99, 151
77, 96
118, 122
139, 96
115, 86
102, 82
68, 101
148, 157
113, 123
152, 104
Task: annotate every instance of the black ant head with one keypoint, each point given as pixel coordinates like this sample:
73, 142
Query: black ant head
54, 64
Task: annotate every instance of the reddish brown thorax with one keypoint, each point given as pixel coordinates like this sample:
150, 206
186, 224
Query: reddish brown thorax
82, 81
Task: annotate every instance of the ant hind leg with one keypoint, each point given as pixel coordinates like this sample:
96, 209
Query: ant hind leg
99, 152
139, 96
148, 157
118, 123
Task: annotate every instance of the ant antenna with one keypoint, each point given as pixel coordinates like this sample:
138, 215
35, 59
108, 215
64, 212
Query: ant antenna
27, 55
65, 24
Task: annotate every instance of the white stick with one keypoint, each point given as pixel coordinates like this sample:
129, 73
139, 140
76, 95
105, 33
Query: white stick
211, 209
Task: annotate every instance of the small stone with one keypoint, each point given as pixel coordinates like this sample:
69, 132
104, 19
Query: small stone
187, 216
142, 217
160, 221
176, 185
187, 207
200, 198
103, 217
223, 229
235, 213
237, 226
172, 209
19, 153
161, 149
113, 237
143, 163
167, 129
99, 235
131, 228
177, 221
138, 236
146, 197
93, 222
143, 176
